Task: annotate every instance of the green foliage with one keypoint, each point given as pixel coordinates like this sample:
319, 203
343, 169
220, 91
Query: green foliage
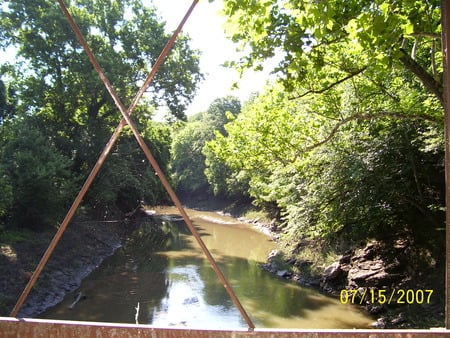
221, 179
348, 140
268, 134
15, 236
188, 162
346, 37
127, 178
188, 155
6, 106
39, 184
341, 163
54, 79
368, 185
6, 197
126, 37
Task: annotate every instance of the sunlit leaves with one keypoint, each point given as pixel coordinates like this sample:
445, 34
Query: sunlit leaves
328, 159
346, 143
125, 36
272, 131
306, 35
53, 81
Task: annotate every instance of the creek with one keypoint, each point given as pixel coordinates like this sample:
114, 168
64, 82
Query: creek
161, 277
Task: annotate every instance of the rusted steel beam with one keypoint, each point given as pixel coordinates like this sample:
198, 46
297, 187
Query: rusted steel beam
126, 116
155, 164
445, 21
11, 327
104, 153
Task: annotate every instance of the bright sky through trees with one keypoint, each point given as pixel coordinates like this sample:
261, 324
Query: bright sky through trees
205, 28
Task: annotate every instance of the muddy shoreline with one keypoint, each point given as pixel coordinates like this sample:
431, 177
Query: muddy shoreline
370, 272
82, 248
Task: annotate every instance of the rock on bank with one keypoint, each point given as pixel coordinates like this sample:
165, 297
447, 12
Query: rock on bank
367, 276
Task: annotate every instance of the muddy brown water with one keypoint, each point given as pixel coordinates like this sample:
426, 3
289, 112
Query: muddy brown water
161, 277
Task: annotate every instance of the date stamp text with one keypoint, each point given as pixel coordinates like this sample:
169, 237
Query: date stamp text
363, 296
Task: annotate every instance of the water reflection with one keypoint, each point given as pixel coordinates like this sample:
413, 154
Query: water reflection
161, 277
188, 304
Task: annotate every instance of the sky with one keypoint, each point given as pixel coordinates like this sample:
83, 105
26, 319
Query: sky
205, 27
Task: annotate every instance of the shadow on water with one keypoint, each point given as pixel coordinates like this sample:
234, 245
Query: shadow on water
161, 277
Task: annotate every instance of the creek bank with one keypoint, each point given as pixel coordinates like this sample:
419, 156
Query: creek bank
82, 248
359, 275
391, 264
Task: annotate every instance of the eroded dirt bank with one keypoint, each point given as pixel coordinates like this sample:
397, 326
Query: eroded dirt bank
399, 284
83, 246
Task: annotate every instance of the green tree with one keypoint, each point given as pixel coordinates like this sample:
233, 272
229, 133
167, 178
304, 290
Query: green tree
323, 43
337, 141
126, 37
188, 159
6, 106
127, 179
55, 80
188, 162
270, 132
370, 181
39, 183
360, 175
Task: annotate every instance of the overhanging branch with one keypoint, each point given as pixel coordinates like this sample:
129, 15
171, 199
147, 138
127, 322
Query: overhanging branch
366, 117
320, 91
426, 78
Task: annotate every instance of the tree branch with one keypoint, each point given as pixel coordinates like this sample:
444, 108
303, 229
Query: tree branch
427, 35
427, 79
320, 91
365, 117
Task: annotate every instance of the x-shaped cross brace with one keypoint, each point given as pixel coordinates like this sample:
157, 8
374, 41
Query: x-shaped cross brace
126, 119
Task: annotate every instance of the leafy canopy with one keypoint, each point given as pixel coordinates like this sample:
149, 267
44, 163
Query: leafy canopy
52, 93
188, 157
321, 43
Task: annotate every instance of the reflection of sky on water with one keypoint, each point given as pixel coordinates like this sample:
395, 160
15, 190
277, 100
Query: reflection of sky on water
185, 304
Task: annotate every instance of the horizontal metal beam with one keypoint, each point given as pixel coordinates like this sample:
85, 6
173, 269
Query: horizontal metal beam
13, 327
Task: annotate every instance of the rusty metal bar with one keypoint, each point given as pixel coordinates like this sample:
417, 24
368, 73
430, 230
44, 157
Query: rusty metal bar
156, 167
11, 328
126, 115
100, 160
188, 221
445, 20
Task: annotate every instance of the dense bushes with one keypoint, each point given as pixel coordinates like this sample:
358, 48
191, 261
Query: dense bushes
380, 184
347, 141
334, 172
38, 183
